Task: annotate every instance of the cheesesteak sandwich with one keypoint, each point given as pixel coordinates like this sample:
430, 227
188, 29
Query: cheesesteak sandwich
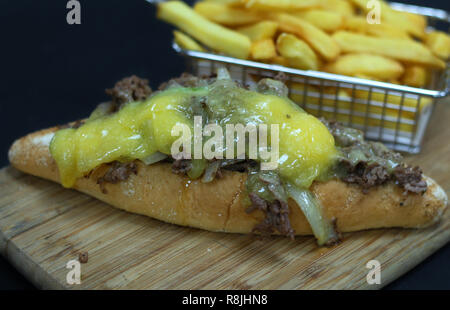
326, 179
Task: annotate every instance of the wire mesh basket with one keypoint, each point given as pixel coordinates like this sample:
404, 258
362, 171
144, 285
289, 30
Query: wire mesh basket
393, 114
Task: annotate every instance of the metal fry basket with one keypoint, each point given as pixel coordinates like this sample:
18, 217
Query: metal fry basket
393, 114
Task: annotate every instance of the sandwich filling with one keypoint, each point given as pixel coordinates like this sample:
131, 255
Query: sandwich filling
141, 129
138, 125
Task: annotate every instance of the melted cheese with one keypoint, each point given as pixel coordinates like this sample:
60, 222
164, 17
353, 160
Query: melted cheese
306, 147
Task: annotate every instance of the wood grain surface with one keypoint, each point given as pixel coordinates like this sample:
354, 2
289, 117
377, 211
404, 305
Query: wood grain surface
43, 226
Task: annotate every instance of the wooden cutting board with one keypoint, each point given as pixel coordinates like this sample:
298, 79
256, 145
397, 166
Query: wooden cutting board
43, 226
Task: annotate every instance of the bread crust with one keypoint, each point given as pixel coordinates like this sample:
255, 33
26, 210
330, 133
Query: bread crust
218, 206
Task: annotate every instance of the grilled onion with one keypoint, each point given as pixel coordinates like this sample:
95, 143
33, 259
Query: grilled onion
321, 226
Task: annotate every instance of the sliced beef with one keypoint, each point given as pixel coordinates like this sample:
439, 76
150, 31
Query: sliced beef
370, 164
181, 166
366, 176
116, 173
343, 136
410, 178
272, 87
276, 216
239, 165
370, 175
129, 89
281, 76
184, 80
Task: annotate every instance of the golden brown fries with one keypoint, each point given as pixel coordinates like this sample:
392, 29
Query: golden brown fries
419, 20
375, 66
230, 3
297, 53
262, 30
317, 39
415, 76
326, 20
263, 50
439, 43
400, 20
384, 30
186, 42
336, 36
225, 15
281, 5
280, 60
343, 7
210, 34
404, 50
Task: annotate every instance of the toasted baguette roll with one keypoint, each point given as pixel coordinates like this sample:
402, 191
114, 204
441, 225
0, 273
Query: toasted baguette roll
218, 206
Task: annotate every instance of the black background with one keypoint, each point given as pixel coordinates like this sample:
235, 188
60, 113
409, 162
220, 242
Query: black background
52, 73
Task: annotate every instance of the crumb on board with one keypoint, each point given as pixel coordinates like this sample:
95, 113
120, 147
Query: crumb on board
83, 257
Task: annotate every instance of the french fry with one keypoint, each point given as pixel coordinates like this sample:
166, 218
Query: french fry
230, 3
371, 65
315, 37
386, 31
225, 15
404, 20
210, 34
415, 76
419, 20
186, 42
298, 54
367, 77
279, 60
399, 20
263, 50
439, 43
259, 31
326, 20
360, 24
284, 5
343, 7
356, 24
404, 50
314, 32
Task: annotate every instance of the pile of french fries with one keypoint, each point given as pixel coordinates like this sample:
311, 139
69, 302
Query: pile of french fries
327, 35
